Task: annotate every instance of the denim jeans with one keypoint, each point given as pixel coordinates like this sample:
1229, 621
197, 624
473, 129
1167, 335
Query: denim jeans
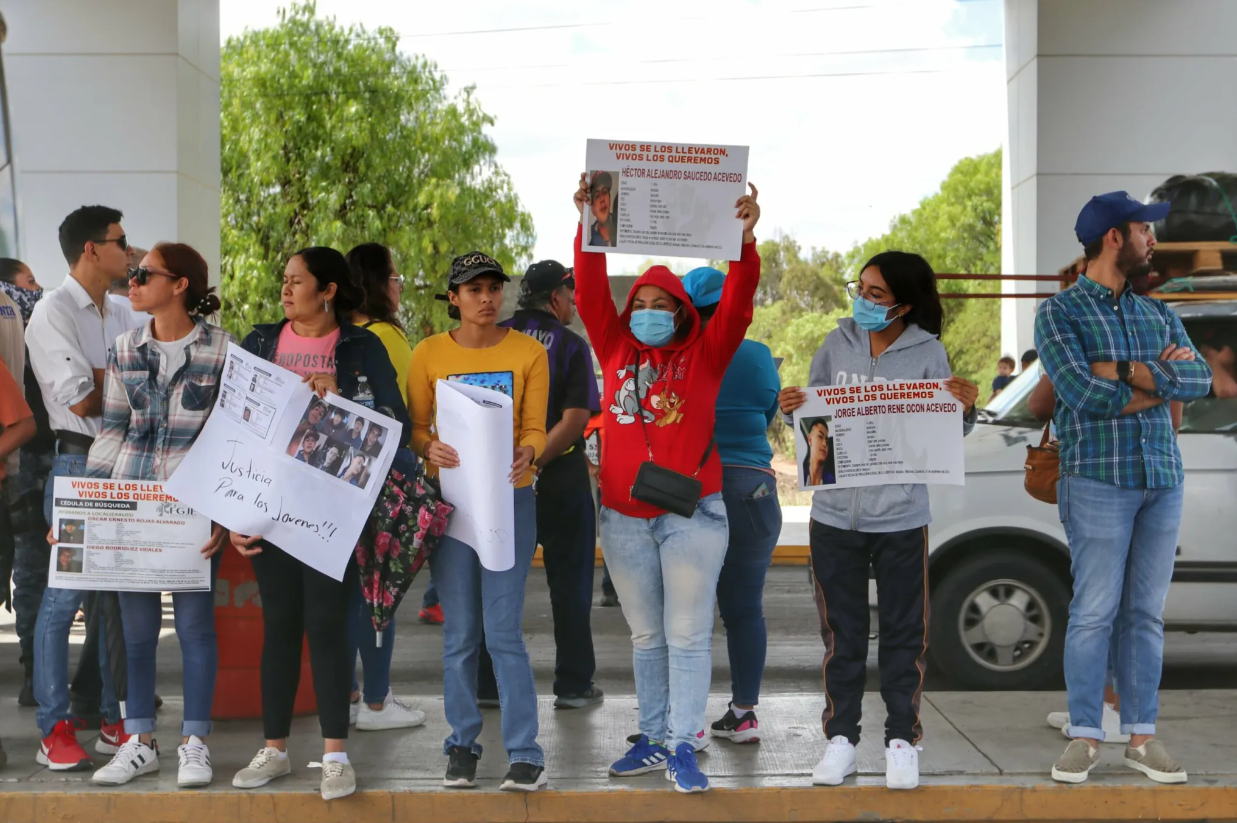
1122, 546
474, 600
51, 631
194, 614
665, 571
375, 659
755, 525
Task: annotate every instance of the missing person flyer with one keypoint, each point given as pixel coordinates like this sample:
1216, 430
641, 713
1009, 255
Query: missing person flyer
871, 434
655, 198
125, 535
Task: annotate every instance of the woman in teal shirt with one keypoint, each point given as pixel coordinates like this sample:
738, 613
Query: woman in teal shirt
746, 405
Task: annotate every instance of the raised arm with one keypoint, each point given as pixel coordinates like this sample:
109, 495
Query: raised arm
734, 313
593, 299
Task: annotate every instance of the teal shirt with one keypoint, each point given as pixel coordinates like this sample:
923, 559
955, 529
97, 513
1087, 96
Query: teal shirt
746, 405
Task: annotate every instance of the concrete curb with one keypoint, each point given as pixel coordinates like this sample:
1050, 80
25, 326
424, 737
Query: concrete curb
955, 803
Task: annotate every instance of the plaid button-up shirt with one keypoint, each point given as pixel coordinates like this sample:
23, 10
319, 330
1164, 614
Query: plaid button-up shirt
147, 428
1090, 324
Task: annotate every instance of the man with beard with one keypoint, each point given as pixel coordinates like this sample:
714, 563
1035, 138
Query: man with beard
1116, 359
603, 231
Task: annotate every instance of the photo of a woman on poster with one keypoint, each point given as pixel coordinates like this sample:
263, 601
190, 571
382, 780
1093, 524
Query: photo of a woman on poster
818, 466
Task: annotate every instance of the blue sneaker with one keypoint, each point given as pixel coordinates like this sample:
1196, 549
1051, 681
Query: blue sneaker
643, 757
681, 768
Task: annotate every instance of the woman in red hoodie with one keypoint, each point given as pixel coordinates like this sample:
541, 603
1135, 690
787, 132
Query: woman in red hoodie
662, 372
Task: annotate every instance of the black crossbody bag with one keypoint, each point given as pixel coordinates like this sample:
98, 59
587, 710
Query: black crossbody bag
666, 488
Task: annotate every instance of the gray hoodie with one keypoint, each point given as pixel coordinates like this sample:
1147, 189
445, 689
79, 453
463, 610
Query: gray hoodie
845, 358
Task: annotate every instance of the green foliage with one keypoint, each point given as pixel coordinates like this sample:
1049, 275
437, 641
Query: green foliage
958, 230
332, 137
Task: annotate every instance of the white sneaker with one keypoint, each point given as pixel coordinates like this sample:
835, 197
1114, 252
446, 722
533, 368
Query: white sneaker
836, 765
354, 711
195, 770
1058, 720
1110, 722
901, 765
338, 779
134, 758
394, 714
266, 765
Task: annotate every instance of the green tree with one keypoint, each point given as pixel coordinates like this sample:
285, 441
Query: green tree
331, 136
958, 230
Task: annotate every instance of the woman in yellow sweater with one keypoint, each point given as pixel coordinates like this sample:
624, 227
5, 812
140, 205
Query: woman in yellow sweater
482, 353
373, 272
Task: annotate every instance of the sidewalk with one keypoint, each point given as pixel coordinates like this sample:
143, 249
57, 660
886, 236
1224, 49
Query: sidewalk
986, 757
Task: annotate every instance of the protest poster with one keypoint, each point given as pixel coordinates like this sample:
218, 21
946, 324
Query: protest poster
275, 459
655, 198
871, 434
477, 423
125, 536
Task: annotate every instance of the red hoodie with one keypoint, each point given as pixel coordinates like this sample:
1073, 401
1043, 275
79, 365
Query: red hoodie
678, 382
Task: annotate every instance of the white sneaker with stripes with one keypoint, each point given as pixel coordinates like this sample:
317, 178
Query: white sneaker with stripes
134, 759
195, 770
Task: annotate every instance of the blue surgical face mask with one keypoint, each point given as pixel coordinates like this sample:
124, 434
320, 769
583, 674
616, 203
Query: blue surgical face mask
653, 327
871, 316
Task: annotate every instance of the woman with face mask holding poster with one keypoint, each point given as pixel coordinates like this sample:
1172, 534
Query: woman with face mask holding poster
893, 335
663, 523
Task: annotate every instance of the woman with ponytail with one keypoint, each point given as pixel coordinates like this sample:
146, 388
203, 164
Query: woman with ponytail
159, 388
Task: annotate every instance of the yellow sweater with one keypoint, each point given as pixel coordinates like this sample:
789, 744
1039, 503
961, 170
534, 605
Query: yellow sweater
400, 352
517, 367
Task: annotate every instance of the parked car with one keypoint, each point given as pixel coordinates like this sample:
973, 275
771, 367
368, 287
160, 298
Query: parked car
999, 561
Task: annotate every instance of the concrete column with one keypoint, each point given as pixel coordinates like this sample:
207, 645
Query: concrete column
1105, 95
115, 102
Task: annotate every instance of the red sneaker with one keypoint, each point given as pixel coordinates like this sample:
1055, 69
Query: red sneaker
111, 737
60, 751
431, 615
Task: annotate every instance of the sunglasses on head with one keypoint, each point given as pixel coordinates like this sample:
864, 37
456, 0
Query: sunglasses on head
142, 274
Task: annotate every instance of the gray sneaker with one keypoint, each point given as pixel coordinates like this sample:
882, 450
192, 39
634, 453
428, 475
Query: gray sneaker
1153, 760
338, 780
590, 697
265, 767
1072, 766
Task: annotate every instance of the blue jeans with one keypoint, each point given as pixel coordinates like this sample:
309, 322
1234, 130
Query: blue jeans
51, 632
476, 600
1122, 544
755, 525
195, 629
430, 598
665, 571
375, 659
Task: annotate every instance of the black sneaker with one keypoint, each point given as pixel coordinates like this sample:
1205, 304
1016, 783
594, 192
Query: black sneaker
523, 777
738, 730
26, 697
461, 769
589, 697
609, 601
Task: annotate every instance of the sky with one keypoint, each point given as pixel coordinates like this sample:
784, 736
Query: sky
854, 110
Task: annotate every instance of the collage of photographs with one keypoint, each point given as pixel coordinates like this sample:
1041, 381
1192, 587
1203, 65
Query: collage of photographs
346, 446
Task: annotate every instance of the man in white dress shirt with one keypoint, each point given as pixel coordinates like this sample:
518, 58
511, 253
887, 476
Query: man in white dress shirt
71, 332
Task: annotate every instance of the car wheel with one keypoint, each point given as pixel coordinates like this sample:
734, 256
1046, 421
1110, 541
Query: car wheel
998, 622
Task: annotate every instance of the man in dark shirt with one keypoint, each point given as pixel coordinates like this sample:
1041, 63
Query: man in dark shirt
566, 523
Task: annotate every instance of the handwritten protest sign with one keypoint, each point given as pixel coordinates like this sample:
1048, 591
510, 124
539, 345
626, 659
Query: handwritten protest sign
870, 434
125, 536
274, 459
476, 422
656, 198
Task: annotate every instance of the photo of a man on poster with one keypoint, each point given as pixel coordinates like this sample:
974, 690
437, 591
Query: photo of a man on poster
603, 227
818, 466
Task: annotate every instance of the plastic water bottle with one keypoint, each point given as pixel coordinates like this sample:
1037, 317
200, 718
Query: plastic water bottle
364, 395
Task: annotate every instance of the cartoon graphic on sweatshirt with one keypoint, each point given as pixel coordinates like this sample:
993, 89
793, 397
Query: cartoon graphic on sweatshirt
672, 405
638, 385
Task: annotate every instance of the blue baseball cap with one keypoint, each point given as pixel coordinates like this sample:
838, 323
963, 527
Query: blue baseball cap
704, 286
1108, 211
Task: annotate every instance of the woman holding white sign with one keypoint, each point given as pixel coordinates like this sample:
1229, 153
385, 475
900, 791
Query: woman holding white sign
663, 521
892, 336
317, 341
158, 391
481, 353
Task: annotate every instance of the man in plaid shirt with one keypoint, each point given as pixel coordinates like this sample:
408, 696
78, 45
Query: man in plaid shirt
1116, 360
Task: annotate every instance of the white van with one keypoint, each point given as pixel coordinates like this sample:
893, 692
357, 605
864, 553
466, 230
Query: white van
999, 567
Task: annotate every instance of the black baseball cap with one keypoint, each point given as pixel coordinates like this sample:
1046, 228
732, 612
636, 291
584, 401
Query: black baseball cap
547, 275
470, 266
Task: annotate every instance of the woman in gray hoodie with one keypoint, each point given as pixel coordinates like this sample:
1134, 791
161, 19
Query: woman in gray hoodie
892, 336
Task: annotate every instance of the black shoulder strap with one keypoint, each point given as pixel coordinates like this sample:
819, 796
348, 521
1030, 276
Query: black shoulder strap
644, 428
